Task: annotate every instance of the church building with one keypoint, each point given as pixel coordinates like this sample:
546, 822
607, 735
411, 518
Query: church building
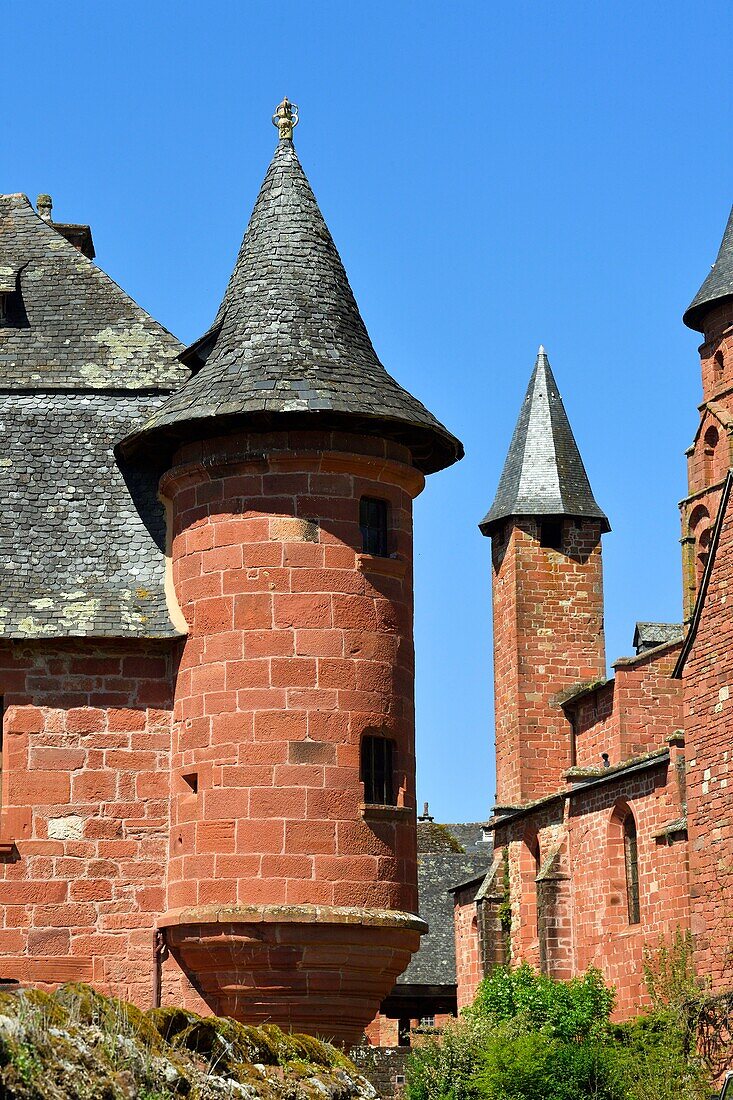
613, 823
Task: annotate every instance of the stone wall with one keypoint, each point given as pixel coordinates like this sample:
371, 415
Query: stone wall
85, 785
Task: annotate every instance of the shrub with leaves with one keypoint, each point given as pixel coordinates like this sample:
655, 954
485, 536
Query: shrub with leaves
573, 1011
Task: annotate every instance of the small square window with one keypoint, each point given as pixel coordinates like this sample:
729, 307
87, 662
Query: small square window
551, 534
377, 771
373, 521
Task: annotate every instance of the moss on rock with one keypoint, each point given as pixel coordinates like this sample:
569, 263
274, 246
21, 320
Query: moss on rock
76, 1044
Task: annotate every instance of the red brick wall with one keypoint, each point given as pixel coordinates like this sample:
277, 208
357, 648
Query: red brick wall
582, 882
548, 635
708, 691
85, 785
469, 970
299, 645
631, 715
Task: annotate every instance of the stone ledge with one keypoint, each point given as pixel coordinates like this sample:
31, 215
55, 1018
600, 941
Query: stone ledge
387, 567
292, 914
372, 811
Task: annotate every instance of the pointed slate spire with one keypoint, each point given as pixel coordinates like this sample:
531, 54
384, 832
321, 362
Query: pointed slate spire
543, 474
288, 347
717, 286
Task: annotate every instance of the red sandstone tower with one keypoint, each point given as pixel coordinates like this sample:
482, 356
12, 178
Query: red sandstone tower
545, 529
709, 456
292, 459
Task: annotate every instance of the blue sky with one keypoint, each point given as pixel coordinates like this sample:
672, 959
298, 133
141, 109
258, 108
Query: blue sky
495, 176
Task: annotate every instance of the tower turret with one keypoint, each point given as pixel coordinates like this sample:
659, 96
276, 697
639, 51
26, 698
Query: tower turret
710, 455
292, 459
547, 585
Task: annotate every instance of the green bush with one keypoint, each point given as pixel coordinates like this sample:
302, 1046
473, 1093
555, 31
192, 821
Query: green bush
574, 1010
527, 1037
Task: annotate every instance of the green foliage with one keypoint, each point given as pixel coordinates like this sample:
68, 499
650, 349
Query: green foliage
445, 1068
572, 1011
669, 972
537, 1067
527, 1037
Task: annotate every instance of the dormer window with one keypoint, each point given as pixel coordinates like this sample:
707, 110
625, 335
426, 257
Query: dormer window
374, 524
11, 302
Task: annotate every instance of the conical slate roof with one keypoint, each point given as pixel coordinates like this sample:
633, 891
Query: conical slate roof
288, 347
718, 285
543, 474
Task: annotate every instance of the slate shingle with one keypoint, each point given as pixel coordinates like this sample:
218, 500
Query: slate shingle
543, 474
82, 536
288, 346
717, 286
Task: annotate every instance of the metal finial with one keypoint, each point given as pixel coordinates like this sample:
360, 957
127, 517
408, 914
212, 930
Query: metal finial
286, 119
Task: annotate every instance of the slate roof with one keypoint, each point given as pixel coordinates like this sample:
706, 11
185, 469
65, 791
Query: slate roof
81, 536
437, 871
288, 346
651, 635
543, 474
717, 286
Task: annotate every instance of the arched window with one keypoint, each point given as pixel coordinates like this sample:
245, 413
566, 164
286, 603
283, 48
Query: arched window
377, 770
719, 363
631, 861
710, 442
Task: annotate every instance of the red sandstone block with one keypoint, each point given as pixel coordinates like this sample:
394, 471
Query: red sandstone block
85, 720
280, 725
238, 866
285, 802
308, 892
267, 643
39, 788
310, 837
32, 893
354, 612
56, 759
334, 673
252, 775
259, 836
303, 555
253, 611
302, 611
304, 775
24, 719
313, 699
214, 616
222, 802
319, 643
126, 719
260, 699
220, 702
332, 805
334, 726
248, 674
293, 672
90, 890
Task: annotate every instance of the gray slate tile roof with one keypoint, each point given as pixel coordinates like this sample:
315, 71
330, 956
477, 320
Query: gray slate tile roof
81, 536
651, 635
437, 871
543, 474
717, 286
288, 345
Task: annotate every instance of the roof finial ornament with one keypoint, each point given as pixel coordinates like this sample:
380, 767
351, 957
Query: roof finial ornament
44, 206
286, 119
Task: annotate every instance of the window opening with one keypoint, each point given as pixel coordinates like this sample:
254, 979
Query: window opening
373, 521
376, 771
551, 534
403, 1032
719, 361
631, 859
427, 1021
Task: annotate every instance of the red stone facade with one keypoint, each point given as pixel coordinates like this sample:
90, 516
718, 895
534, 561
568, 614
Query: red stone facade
599, 784
211, 789
541, 594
